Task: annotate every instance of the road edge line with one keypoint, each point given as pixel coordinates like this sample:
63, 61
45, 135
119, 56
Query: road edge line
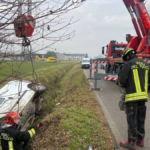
118, 137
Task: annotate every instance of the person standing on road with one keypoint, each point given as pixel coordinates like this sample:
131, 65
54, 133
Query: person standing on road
134, 78
11, 137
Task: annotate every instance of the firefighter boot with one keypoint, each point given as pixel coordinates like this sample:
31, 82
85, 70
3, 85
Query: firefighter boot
141, 123
131, 113
130, 144
141, 141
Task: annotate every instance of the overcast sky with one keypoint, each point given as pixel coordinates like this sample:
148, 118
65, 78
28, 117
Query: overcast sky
100, 22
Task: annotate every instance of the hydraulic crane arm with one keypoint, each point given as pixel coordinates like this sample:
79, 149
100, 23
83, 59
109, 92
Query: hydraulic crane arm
141, 22
138, 8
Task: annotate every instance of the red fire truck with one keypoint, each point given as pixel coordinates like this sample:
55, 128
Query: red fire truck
141, 42
113, 54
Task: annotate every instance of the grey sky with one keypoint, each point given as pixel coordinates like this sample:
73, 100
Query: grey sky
100, 22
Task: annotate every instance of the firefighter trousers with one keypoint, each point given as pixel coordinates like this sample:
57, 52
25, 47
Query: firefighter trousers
136, 114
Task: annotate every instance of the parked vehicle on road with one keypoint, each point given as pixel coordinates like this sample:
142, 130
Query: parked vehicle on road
85, 63
22, 97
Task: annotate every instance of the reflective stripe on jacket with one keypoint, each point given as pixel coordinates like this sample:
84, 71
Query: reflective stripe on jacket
134, 77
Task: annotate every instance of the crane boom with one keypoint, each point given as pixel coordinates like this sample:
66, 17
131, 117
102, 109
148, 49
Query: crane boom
141, 22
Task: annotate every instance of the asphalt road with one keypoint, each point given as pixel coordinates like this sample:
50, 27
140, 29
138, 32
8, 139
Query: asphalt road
108, 99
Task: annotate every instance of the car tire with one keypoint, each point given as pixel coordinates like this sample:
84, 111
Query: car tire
37, 87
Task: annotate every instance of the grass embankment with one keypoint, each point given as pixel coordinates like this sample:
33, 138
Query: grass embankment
48, 74
16, 69
74, 123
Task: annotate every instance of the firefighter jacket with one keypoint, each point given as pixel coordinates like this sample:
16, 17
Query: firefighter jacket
11, 138
134, 77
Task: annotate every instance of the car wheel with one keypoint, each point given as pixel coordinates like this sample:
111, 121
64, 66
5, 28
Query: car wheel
37, 87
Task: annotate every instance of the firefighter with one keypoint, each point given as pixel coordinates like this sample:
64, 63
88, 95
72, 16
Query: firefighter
11, 138
134, 78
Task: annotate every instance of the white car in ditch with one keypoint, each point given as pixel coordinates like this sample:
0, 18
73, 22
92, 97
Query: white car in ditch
23, 97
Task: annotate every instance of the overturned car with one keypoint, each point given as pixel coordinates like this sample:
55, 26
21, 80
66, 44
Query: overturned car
23, 97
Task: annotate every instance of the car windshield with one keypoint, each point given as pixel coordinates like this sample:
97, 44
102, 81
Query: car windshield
85, 60
1, 100
119, 48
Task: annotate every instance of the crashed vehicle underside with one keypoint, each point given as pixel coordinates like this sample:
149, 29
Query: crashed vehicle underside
23, 97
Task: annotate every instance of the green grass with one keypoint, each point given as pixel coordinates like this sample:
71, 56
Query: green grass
75, 123
15, 69
50, 78
49, 74
43, 72
81, 124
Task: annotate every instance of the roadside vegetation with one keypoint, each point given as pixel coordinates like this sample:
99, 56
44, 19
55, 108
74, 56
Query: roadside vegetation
70, 114
15, 70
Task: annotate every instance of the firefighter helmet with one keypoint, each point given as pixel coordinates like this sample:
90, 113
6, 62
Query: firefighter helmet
10, 117
127, 51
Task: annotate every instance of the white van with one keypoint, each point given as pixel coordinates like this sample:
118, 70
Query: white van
85, 63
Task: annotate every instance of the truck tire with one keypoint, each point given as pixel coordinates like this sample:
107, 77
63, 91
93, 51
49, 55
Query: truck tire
117, 69
107, 68
111, 69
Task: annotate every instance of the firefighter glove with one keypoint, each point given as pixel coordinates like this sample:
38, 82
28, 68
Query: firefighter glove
39, 125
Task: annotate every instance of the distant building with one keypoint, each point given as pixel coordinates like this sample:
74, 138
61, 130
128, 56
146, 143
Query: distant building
76, 56
27, 56
63, 56
11, 57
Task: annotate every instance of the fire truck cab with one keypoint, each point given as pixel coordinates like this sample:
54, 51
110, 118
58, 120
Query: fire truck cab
113, 53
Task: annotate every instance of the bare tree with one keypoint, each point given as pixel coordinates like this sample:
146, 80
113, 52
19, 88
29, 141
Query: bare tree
48, 20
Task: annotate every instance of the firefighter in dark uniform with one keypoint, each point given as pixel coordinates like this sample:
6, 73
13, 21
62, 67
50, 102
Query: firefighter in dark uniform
134, 78
11, 137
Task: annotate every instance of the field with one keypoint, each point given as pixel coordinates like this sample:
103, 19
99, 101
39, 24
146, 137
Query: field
71, 117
